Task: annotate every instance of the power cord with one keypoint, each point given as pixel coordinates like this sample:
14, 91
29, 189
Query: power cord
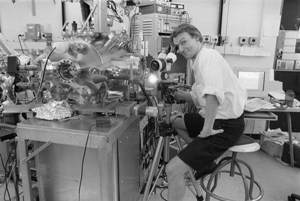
20, 44
3, 169
161, 194
7, 177
83, 157
44, 72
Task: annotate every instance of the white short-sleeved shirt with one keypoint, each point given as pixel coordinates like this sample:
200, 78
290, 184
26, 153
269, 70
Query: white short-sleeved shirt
213, 76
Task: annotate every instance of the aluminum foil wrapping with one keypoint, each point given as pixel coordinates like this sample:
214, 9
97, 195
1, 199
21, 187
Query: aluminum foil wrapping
54, 110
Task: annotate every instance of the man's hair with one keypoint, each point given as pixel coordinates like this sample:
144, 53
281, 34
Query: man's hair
188, 28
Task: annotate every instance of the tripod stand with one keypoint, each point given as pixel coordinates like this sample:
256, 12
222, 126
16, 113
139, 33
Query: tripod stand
163, 145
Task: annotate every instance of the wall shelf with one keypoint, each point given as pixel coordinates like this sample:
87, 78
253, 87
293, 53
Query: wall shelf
287, 70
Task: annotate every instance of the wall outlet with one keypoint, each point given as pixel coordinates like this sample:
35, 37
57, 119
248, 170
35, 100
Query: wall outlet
253, 40
214, 39
279, 65
243, 40
206, 39
22, 36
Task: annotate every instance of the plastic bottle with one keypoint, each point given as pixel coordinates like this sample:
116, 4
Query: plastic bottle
289, 98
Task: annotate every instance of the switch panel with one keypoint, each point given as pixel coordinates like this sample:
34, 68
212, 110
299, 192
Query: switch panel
243, 40
253, 40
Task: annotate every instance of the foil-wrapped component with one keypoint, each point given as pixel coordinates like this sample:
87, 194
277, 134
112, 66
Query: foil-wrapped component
53, 110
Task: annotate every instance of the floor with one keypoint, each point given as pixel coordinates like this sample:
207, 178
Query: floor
278, 181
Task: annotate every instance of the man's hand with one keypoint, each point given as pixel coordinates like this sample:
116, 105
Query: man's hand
175, 115
202, 112
207, 134
182, 95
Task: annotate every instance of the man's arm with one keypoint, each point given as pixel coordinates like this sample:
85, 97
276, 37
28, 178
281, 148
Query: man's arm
211, 110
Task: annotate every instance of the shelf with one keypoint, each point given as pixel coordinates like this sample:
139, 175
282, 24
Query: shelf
287, 70
269, 116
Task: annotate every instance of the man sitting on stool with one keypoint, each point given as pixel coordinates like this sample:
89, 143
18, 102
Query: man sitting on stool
220, 123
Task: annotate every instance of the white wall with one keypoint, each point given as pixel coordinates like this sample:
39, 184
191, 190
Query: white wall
240, 18
15, 17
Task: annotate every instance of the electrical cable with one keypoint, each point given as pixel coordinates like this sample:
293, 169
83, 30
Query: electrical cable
14, 162
44, 72
3, 169
161, 192
25, 45
112, 6
13, 198
20, 44
83, 157
145, 94
10, 174
6, 178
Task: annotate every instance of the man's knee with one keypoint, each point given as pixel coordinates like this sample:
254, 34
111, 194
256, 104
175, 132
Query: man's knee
169, 169
178, 122
176, 167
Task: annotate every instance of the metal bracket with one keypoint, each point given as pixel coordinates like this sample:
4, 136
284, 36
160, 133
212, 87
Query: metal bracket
33, 154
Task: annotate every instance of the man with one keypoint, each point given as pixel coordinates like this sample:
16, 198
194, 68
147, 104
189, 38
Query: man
219, 124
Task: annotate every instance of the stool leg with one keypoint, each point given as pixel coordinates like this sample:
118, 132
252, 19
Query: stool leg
244, 179
232, 167
214, 176
196, 186
251, 179
223, 160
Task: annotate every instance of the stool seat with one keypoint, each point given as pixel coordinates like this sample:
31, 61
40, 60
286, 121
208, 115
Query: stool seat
245, 144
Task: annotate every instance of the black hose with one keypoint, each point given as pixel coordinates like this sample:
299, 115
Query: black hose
145, 94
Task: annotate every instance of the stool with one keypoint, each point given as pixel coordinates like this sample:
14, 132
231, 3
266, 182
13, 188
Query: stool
245, 144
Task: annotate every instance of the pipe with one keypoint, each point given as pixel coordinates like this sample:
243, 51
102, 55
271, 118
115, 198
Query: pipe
220, 23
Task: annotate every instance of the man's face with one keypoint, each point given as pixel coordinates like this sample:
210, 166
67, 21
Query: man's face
187, 45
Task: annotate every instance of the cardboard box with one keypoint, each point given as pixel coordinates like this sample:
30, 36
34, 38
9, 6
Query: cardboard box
272, 142
272, 148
